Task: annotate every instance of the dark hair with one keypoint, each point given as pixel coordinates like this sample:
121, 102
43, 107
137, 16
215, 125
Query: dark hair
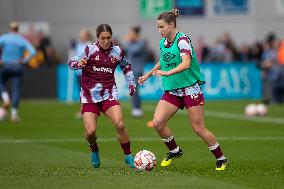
169, 16
103, 28
136, 29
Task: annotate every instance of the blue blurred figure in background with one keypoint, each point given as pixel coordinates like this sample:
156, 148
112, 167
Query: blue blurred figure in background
136, 53
13, 46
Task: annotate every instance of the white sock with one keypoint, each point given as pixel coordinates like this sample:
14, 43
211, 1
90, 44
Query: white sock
175, 150
14, 112
214, 146
168, 139
221, 158
5, 97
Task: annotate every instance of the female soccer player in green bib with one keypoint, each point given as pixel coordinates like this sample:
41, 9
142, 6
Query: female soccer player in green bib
181, 80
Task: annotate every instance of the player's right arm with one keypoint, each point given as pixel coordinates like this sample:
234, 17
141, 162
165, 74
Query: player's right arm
143, 78
79, 61
32, 52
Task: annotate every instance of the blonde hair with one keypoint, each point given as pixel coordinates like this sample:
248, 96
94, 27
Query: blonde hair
14, 25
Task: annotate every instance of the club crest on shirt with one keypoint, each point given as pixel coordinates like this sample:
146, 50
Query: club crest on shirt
97, 58
113, 59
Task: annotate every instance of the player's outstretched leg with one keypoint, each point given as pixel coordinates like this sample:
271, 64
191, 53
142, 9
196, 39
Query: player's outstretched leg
196, 114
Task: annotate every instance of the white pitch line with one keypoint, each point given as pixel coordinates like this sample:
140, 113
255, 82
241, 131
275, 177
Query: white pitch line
154, 139
242, 117
232, 116
214, 114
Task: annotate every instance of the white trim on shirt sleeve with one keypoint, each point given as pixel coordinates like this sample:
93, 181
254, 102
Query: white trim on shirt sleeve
183, 44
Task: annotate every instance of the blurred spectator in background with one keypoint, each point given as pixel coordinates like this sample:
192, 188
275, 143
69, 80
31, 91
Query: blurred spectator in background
278, 88
217, 52
271, 72
136, 53
202, 50
13, 47
46, 55
267, 54
50, 56
31, 35
256, 52
244, 53
277, 82
280, 53
37, 60
230, 47
71, 50
223, 50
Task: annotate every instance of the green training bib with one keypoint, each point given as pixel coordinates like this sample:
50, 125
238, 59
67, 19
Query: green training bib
170, 58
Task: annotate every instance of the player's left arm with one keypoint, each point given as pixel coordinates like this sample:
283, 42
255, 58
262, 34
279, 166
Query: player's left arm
185, 64
125, 66
185, 53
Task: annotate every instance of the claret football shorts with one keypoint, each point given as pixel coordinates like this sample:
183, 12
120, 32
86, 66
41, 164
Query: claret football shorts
96, 108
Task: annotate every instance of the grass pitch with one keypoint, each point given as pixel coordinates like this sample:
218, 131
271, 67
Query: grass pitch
47, 150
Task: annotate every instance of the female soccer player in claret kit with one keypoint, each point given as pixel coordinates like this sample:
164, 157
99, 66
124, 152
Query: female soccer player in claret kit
99, 93
181, 80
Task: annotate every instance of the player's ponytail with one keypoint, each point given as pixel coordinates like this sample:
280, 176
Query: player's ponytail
169, 17
176, 12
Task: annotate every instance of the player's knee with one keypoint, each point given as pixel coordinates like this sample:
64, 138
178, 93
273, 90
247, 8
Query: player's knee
90, 131
158, 123
119, 125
